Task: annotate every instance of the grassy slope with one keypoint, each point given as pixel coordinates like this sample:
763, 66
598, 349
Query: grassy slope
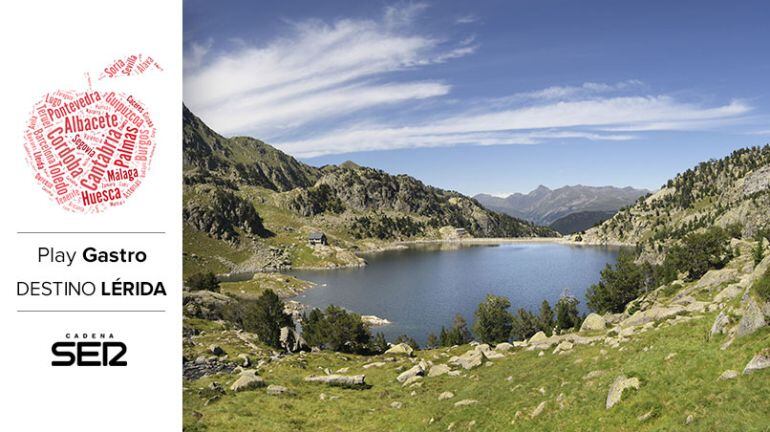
684, 385
283, 285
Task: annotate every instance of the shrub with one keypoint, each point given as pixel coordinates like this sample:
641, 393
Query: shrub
493, 321
432, 341
379, 345
700, 252
336, 329
203, 282
762, 286
759, 250
618, 285
567, 315
263, 316
269, 317
524, 325
457, 335
546, 318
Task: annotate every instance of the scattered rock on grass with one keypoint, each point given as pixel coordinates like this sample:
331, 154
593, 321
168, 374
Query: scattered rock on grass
466, 402
416, 370
760, 361
437, 370
400, 349
248, 380
620, 384
752, 320
728, 375
538, 410
276, 390
593, 322
351, 381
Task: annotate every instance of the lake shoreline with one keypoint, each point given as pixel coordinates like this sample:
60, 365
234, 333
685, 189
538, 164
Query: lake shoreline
420, 288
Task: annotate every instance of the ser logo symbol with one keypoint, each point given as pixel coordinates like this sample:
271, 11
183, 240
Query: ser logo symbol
89, 349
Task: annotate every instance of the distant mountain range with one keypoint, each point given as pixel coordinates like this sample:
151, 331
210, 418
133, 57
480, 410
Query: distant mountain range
575, 208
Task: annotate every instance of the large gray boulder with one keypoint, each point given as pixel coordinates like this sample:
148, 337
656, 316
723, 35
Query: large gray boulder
248, 380
538, 337
416, 370
720, 324
469, 360
400, 349
488, 352
752, 320
503, 347
620, 384
351, 381
653, 314
593, 322
759, 362
438, 370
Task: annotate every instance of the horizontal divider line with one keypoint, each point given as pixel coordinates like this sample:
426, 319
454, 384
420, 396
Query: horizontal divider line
91, 310
90, 232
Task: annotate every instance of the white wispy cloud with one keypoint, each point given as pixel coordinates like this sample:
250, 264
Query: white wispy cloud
321, 87
585, 90
598, 119
467, 19
318, 72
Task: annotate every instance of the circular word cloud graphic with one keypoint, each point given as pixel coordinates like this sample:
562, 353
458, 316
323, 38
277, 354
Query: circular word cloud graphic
91, 150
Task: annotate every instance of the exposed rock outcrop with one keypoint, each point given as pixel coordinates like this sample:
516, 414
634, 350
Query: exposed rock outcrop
351, 381
248, 380
620, 384
760, 361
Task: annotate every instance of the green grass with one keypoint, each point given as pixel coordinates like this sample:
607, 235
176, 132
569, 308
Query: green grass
283, 285
674, 389
222, 335
762, 286
201, 252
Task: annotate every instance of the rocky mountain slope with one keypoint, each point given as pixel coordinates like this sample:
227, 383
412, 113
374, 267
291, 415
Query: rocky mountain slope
544, 206
250, 207
580, 221
733, 192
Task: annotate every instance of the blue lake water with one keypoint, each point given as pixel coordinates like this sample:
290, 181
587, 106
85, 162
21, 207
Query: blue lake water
421, 288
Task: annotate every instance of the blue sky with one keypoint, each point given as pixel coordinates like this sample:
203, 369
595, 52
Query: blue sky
487, 96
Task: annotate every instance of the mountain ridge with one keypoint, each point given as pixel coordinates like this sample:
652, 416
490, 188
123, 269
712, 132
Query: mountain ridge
544, 206
262, 203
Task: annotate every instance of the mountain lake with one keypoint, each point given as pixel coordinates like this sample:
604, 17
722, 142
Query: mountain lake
421, 288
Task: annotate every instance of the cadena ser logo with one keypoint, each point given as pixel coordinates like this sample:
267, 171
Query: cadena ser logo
89, 349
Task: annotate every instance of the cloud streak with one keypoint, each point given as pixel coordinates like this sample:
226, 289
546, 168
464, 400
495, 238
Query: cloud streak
338, 87
317, 72
606, 119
